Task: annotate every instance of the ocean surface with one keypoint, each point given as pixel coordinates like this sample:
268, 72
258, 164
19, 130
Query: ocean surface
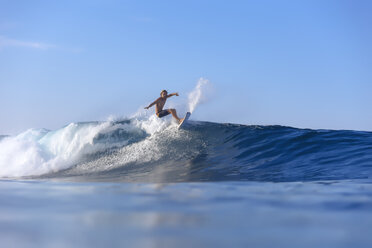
141, 182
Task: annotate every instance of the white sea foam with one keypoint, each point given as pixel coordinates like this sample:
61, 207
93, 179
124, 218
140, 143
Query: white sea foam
200, 94
149, 122
159, 147
36, 152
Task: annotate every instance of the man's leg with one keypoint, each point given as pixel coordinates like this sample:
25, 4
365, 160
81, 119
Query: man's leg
174, 113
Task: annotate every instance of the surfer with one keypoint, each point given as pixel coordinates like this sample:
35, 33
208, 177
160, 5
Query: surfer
159, 104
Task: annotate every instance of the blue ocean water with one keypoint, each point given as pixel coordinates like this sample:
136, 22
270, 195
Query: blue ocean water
141, 182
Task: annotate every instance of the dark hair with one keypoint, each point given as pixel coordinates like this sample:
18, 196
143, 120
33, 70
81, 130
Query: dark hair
163, 91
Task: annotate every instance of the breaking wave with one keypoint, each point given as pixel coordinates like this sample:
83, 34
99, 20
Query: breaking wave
154, 150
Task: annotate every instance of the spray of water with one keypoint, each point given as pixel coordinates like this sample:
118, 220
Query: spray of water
199, 94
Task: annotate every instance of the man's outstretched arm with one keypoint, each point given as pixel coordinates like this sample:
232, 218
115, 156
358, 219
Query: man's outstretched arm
152, 104
173, 94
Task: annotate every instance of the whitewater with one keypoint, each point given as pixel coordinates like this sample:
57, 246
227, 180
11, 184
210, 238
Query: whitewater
141, 182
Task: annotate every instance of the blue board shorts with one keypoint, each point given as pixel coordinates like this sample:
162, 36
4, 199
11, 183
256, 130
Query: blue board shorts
163, 113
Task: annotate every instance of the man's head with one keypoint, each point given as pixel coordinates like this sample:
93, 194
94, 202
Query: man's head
163, 93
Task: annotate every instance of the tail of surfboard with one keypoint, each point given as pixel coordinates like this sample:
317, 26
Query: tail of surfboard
184, 121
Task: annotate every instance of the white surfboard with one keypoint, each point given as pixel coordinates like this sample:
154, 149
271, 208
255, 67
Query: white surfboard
184, 121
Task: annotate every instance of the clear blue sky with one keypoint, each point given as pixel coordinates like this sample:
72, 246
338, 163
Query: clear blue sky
295, 63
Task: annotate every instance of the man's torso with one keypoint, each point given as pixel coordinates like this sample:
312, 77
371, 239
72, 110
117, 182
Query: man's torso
160, 104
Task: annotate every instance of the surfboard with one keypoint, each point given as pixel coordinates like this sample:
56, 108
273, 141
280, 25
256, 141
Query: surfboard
184, 121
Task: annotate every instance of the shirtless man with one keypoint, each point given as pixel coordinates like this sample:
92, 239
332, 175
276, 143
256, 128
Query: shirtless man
159, 104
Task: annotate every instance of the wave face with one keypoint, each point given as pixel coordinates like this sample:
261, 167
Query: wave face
153, 150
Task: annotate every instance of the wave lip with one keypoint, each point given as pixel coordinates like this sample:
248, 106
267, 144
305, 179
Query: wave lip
153, 150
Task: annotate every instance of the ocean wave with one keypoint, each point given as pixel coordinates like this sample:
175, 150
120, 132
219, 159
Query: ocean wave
154, 150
